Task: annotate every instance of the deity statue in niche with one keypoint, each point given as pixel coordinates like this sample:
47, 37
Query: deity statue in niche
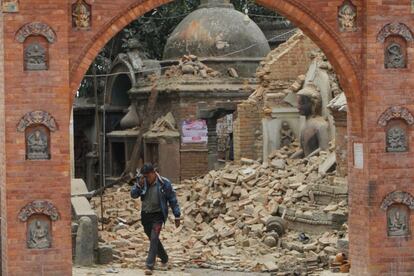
347, 16
37, 144
315, 132
394, 56
397, 217
81, 15
396, 139
35, 57
286, 135
39, 234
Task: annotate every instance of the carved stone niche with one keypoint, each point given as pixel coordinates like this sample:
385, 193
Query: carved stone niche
397, 136
35, 57
39, 234
36, 37
37, 143
38, 216
398, 206
37, 126
395, 56
81, 15
347, 17
396, 121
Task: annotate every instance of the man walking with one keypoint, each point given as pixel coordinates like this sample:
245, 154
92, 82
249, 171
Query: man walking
156, 193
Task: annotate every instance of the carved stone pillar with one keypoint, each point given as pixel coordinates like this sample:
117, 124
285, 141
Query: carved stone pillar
338, 107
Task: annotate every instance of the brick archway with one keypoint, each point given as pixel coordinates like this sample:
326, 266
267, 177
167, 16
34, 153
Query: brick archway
297, 11
357, 56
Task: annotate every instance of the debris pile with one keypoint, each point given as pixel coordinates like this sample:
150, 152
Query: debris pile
191, 65
233, 218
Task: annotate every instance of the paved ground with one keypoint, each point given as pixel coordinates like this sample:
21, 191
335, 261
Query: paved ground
98, 271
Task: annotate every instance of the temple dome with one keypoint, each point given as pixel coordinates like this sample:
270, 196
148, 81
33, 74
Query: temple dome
216, 29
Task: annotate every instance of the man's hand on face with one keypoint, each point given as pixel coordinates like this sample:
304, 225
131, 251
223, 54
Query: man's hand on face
177, 222
141, 181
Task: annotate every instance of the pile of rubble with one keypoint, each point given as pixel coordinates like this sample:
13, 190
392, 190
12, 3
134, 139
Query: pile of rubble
228, 216
191, 65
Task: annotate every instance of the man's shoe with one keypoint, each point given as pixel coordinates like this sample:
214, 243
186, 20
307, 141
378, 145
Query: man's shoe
148, 271
164, 266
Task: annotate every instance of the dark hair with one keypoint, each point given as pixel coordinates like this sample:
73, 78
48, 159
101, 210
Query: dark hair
147, 168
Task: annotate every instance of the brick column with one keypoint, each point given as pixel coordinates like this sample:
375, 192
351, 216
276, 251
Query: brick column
24, 181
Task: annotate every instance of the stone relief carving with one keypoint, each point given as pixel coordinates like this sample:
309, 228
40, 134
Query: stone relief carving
394, 56
35, 57
347, 17
395, 28
38, 234
36, 28
398, 197
81, 15
286, 135
39, 207
37, 144
396, 112
397, 221
37, 117
396, 140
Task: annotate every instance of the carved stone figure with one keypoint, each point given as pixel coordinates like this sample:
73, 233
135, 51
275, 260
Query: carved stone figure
315, 133
396, 140
397, 221
394, 56
286, 135
39, 235
347, 16
37, 145
81, 15
35, 57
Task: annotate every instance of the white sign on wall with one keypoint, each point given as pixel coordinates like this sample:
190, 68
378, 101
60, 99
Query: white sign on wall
358, 156
194, 131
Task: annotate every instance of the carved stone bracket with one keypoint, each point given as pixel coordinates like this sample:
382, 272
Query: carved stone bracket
395, 28
37, 117
398, 197
396, 112
36, 28
39, 207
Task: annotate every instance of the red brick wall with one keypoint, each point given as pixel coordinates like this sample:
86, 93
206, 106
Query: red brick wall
194, 162
356, 57
3, 214
36, 180
384, 172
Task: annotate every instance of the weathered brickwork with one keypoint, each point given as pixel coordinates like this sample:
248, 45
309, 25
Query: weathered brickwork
357, 57
290, 59
247, 128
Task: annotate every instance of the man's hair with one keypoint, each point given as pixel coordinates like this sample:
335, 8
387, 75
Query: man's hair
147, 168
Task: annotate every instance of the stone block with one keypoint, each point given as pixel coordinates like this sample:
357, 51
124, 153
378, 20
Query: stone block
84, 243
105, 254
78, 187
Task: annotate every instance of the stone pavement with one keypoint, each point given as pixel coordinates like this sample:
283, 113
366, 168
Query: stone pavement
108, 271
102, 270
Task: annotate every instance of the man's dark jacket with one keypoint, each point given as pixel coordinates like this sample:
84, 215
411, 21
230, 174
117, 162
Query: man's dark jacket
166, 195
